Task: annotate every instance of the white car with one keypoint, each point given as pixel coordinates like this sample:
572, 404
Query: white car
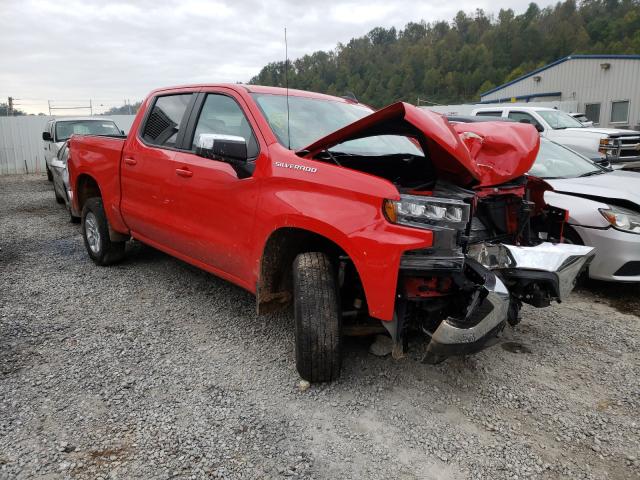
582, 118
620, 148
59, 130
603, 205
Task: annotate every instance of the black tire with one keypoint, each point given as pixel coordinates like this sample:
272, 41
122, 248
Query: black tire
317, 317
95, 232
49, 174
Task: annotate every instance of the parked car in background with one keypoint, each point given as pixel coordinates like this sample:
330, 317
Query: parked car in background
59, 130
582, 118
603, 206
381, 219
620, 148
60, 176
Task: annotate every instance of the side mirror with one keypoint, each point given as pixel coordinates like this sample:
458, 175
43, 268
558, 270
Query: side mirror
231, 149
122, 132
46, 136
539, 127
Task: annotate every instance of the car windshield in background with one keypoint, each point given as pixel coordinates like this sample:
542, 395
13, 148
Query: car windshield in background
64, 129
559, 120
556, 161
312, 118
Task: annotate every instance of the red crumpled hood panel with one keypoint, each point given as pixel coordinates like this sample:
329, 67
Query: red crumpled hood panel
468, 154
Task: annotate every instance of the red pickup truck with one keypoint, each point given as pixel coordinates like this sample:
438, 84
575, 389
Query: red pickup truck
362, 219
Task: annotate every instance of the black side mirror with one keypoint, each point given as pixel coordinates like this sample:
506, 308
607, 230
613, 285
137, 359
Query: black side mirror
46, 136
122, 132
231, 149
539, 127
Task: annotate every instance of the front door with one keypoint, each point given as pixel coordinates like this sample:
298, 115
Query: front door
215, 208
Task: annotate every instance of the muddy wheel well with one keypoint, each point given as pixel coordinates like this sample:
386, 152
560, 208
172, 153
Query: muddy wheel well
274, 289
87, 188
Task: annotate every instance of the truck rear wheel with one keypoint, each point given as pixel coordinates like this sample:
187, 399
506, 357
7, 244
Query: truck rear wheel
95, 232
317, 317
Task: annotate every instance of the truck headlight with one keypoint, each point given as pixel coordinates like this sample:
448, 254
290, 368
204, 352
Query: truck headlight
426, 212
622, 218
607, 146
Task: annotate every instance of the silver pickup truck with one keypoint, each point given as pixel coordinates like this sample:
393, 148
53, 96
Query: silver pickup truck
609, 146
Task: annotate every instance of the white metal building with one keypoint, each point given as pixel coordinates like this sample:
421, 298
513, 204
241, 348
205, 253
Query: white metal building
605, 87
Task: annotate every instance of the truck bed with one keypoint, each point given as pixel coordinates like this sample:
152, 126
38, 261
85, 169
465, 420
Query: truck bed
101, 156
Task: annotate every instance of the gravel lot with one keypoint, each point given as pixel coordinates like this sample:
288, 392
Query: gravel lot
154, 369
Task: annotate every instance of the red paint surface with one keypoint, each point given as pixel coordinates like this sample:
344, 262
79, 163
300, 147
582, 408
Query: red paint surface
199, 211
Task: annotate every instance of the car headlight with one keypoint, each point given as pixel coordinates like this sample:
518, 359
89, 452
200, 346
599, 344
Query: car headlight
427, 212
622, 218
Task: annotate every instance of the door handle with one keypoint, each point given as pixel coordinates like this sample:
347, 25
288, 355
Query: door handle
130, 161
184, 172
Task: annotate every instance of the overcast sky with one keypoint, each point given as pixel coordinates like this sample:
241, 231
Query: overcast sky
70, 51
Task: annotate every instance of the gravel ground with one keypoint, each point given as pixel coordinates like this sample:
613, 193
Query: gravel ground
154, 369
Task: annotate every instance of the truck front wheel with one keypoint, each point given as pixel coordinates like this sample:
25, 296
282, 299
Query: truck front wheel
317, 317
95, 232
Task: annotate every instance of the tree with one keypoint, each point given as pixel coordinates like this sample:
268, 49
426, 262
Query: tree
451, 62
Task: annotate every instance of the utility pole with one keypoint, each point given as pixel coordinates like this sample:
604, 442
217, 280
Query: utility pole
49, 103
10, 107
129, 105
91, 107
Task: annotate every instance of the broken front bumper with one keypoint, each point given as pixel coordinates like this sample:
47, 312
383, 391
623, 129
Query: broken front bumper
511, 274
548, 267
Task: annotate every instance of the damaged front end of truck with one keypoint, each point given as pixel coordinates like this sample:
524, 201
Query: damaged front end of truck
496, 244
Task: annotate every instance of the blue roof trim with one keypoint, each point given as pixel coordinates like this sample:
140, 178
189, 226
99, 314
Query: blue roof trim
524, 97
557, 62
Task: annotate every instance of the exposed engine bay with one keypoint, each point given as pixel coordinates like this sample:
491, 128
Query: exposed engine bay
494, 249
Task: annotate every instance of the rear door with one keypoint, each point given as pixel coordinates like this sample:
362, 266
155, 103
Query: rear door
524, 117
215, 208
147, 203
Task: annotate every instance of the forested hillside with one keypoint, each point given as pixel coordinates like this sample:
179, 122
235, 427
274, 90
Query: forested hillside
448, 62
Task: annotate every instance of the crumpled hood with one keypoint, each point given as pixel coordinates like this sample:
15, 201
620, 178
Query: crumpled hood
621, 185
467, 154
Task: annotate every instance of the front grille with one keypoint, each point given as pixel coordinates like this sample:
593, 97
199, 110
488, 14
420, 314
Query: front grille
629, 147
629, 269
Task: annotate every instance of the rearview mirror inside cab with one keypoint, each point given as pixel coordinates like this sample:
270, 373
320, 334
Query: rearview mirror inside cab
46, 136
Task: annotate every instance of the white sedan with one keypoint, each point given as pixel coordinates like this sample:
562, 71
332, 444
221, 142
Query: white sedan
603, 205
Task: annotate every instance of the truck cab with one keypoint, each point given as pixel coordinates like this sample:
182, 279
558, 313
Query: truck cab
607, 146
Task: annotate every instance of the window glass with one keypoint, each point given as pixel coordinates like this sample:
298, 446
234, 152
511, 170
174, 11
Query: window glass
519, 116
311, 119
489, 114
222, 115
559, 120
620, 112
592, 112
164, 120
556, 161
62, 151
64, 129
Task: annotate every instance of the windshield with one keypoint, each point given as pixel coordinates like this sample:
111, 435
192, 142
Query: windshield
559, 120
64, 129
556, 161
312, 118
